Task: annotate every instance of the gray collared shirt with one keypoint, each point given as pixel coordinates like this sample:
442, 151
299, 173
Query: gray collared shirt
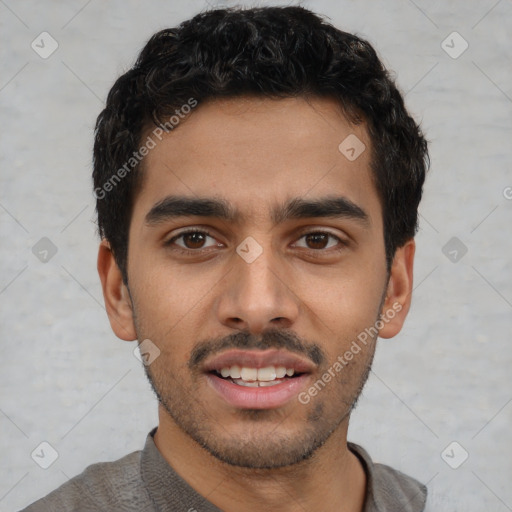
143, 481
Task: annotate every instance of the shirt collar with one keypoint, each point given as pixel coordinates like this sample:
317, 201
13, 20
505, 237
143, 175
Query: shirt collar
387, 489
167, 490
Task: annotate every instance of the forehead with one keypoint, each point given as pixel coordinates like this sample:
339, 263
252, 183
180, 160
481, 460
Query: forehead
257, 152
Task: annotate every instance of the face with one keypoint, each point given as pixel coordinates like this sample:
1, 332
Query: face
256, 249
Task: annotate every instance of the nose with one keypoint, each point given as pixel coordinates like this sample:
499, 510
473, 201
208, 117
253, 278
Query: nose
258, 295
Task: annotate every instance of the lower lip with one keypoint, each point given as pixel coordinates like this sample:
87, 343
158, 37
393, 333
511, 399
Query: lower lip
268, 397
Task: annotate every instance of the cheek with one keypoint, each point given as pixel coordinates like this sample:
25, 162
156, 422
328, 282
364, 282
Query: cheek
159, 300
170, 305
169, 289
345, 299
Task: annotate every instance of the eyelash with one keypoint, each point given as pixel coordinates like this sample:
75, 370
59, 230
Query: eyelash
343, 243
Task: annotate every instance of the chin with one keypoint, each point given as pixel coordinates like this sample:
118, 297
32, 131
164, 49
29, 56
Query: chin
261, 446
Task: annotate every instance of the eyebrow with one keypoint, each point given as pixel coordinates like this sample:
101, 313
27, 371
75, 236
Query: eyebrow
172, 207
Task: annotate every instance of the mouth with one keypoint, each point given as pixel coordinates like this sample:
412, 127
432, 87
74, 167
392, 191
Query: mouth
258, 379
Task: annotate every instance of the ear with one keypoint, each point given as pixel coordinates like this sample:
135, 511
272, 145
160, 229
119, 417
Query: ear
399, 291
117, 299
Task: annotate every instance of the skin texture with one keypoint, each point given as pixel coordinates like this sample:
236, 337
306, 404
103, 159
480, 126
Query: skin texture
257, 153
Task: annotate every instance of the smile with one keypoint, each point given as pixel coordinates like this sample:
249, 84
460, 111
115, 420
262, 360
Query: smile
258, 379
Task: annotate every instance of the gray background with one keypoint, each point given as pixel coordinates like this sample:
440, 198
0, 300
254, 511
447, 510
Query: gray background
67, 380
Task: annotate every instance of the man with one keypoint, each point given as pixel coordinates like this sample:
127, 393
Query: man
257, 181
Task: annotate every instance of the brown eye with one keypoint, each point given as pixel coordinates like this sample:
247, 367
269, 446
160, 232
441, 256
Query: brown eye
191, 240
320, 240
194, 240
317, 240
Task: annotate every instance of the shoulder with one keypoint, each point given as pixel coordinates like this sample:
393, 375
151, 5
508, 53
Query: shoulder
389, 489
393, 486
112, 486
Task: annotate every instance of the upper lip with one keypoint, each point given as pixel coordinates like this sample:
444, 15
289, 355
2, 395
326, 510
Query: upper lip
259, 359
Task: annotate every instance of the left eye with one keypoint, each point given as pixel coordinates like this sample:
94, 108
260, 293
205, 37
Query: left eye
319, 238
191, 239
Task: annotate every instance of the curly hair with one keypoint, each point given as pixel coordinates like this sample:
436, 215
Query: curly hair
274, 52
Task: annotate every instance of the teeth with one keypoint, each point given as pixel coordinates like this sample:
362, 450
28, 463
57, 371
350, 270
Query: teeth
267, 374
235, 372
249, 373
251, 376
242, 382
256, 384
280, 372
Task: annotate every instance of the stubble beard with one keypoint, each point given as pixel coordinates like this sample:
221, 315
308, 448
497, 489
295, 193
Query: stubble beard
264, 445
271, 449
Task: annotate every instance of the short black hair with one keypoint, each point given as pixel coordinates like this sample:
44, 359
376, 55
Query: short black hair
274, 52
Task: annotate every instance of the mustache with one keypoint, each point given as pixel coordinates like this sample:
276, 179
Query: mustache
270, 338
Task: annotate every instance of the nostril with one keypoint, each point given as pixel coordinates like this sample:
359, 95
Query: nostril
280, 322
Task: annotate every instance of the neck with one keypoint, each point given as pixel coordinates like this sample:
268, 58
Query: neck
333, 479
